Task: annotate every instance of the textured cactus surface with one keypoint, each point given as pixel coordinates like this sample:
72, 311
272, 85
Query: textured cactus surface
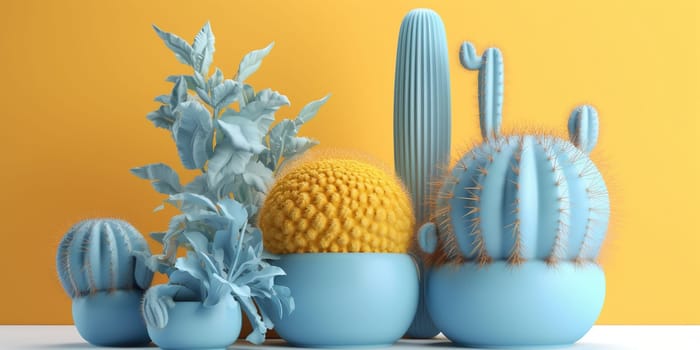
102, 255
521, 197
336, 205
422, 122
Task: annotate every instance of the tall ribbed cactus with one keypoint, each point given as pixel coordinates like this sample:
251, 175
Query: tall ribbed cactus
421, 122
102, 255
520, 197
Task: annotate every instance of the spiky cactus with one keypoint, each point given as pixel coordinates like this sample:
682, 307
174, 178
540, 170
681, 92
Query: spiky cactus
520, 197
102, 255
101, 265
422, 118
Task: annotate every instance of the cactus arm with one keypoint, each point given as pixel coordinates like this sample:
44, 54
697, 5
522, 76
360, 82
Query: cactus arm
490, 67
584, 127
491, 93
427, 238
468, 57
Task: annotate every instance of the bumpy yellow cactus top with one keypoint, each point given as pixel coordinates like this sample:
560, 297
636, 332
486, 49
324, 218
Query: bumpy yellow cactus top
336, 205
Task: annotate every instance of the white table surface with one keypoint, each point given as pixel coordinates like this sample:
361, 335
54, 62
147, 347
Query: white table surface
599, 338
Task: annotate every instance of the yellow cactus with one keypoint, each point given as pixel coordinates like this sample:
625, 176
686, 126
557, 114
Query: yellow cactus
336, 205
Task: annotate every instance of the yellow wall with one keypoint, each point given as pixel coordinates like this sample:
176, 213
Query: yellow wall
78, 78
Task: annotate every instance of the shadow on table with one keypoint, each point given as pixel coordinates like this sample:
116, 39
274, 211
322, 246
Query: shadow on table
79, 346
437, 344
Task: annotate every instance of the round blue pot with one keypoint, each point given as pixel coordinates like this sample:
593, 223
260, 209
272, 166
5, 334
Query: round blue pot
191, 325
111, 318
348, 299
505, 306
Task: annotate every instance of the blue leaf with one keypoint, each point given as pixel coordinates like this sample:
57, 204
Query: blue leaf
202, 93
193, 265
164, 99
247, 95
215, 79
235, 211
193, 133
164, 179
158, 301
191, 202
191, 82
226, 162
198, 241
224, 94
157, 236
279, 135
258, 176
179, 93
203, 47
198, 185
182, 50
257, 335
162, 117
309, 111
297, 145
260, 110
199, 79
251, 62
242, 134
218, 288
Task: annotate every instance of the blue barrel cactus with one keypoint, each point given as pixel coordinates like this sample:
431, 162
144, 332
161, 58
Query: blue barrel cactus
422, 117
522, 217
101, 265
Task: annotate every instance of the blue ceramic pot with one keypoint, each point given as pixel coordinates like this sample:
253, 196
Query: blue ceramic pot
191, 325
111, 318
503, 306
348, 299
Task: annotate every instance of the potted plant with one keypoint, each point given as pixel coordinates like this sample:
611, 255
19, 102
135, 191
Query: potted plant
222, 128
342, 227
200, 306
518, 225
101, 265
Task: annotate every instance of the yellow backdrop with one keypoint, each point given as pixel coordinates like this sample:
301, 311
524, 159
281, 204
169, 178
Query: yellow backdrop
78, 78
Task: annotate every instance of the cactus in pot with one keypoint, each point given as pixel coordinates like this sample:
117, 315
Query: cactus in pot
224, 130
518, 224
422, 118
342, 227
101, 266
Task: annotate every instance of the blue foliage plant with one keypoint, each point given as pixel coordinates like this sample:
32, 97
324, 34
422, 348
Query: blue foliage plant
223, 128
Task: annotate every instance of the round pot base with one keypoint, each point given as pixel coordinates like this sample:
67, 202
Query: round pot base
347, 299
499, 305
111, 318
191, 325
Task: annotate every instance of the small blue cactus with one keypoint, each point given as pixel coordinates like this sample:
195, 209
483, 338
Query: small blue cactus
490, 67
519, 197
102, 255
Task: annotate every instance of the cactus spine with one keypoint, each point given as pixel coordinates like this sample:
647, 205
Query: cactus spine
102, 255
421, 122
521, 197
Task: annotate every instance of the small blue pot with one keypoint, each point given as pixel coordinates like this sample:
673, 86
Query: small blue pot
191, 325
348, 299
505, 306
111, 318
